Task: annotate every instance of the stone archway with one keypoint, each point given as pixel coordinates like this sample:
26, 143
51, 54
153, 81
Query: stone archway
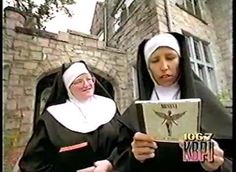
42, 92
31, 54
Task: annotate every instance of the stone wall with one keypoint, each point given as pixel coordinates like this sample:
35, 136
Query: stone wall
30, 54
150, 17
221, 13
141, 23
97, 22
205, 29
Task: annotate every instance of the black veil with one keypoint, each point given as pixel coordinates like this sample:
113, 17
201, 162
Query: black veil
214, 117
145, 83
59, 94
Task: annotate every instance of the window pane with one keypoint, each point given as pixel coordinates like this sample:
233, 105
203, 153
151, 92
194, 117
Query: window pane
206, 53
212, 79
203, 68
197, 51
132, 6
123, 15
117, 15
187, 39
202, 74
101, 37
117, 20
116, 26
189, 6
193, 66
128, 2
180, 2
197, 8
135, 83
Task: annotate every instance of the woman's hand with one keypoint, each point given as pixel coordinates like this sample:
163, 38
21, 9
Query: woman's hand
218, 159
143, 146
103, 166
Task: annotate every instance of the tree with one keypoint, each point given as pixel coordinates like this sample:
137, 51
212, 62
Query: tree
42, 12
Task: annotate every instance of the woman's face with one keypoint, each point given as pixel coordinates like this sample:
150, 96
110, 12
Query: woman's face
82, 87
164, 65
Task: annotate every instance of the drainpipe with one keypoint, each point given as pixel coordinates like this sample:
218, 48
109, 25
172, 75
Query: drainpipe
168, 15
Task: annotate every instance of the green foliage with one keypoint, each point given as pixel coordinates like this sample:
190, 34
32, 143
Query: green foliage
10, 138
6, 147
7, 167
45, 11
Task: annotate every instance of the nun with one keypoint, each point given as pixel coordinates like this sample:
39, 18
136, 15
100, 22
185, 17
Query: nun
77, 130
164, 73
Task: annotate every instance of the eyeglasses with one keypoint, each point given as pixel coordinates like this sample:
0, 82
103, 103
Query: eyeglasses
81, 81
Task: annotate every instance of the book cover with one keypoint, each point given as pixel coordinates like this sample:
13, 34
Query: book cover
168, 121
78, 156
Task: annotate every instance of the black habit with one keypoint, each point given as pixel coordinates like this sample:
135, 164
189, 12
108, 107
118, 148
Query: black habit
168, 156
42, 152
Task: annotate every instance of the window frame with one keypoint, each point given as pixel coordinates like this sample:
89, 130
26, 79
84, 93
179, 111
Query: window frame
101, 35
196, 8
135, 82
118, 21
201, 66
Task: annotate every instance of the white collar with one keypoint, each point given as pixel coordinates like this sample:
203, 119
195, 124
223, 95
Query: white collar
166, 93
84, 117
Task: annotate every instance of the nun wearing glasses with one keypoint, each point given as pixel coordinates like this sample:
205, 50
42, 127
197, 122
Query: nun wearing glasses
77, 130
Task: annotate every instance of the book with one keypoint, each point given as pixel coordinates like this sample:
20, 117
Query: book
168, 121
76, 157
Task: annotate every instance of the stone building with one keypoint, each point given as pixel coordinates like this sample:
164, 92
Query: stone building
31, 57
207, 25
